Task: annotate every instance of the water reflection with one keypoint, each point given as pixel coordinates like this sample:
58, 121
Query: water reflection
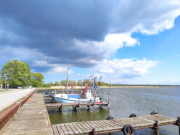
68, 115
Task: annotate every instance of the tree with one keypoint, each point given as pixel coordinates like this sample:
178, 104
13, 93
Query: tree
17, 73
79, 82
56, 83
87, 81
63, 82
36, 84
37, 79
50, 84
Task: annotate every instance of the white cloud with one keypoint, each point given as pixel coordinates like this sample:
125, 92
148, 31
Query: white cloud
52, 68
20, 53
108, 47
58, 69
122, 70
149, 17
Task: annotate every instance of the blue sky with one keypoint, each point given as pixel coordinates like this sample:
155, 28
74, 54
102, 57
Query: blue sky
127, 42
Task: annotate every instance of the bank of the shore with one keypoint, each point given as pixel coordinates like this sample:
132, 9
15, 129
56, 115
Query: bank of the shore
122, 86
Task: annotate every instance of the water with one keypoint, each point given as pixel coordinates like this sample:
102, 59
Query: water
124, 101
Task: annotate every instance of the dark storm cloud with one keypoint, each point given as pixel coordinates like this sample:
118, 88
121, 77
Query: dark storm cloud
64, 19
51, 27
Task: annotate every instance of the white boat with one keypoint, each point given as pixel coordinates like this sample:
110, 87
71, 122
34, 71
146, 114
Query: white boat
86, 96
75, 98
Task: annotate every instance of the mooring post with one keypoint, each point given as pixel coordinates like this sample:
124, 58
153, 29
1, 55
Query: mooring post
78, 107
58, 109
156, 127
62, 107
88, 107
93, 131
178, 123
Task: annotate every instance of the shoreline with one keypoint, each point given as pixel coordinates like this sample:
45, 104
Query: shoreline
123, 86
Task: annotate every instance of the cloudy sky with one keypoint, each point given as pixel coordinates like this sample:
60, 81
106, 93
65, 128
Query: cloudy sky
124, 41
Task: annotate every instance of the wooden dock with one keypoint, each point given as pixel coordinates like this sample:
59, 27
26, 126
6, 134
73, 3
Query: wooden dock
114, 125
55, 105
31, 119
60, 106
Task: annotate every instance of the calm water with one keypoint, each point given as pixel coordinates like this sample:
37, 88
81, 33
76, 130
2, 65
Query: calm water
124, 101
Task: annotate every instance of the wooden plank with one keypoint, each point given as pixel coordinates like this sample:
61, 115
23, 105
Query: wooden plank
60, 130
69, 129
88, 126
55, 130
77, 128
82, 128
102, 126
115, 123
114, 127
93, 123
76, 132
108, 125
64, 129
86, 129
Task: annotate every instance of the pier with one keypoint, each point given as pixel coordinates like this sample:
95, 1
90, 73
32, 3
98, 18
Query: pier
60, 106
30, 119
114, 125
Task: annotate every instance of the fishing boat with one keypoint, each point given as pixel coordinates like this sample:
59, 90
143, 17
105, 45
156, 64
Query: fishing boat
87, 95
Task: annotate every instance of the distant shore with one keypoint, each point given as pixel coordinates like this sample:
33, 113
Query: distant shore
122, 86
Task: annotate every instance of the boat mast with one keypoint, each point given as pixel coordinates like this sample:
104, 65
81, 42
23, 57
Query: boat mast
109, 92
67, 81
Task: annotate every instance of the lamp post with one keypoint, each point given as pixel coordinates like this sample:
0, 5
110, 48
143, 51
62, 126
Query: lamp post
0, 84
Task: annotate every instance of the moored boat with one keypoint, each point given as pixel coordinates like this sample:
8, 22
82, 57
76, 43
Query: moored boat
87, 95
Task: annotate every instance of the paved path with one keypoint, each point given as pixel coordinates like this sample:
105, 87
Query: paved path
31, 119
9, 97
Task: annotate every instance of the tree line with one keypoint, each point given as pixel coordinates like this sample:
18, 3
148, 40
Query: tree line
74, 83
18, 74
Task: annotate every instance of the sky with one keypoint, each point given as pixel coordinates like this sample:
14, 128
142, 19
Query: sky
124, 41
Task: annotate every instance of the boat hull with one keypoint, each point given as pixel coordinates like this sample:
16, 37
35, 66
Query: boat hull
71, 100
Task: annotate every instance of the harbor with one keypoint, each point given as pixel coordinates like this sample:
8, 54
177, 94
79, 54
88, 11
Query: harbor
34, 117
89, 67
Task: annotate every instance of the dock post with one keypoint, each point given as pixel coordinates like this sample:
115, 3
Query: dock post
88, 107
62, 107
78, 107
93, 131
58, 109
178, 123
156, 127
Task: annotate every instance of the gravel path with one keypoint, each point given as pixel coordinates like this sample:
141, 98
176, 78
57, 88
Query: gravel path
10, 97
